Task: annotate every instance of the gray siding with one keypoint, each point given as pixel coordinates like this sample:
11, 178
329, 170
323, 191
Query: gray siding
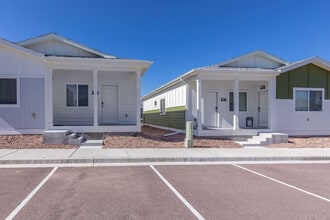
32, 100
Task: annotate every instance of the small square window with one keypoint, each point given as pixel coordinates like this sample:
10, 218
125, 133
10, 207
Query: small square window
308, 100
77, 95
8, 91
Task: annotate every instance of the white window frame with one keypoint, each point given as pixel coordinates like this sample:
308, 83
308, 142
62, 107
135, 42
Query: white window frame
160, 101
240, 91
308, 92
18, 93
77, 84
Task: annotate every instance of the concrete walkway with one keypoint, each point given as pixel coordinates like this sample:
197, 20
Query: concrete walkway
94, 156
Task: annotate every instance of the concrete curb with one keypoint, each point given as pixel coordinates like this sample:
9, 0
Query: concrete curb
166, 159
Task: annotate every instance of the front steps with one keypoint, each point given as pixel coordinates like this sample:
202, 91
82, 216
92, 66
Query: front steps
264, 139
61, 137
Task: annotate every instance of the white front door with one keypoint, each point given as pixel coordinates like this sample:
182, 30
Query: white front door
109, 104
210, 109
263, 109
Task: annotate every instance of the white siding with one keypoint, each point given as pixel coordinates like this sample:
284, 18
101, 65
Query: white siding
301, 123
127, 97
55, 47
31, 112
225, 117
64, 115
15, 63
175, 96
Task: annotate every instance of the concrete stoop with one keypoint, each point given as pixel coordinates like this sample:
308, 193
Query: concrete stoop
264, 139
92, 144
61, 137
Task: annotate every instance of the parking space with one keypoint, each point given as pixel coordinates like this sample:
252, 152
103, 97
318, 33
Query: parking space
16, 184
169, 192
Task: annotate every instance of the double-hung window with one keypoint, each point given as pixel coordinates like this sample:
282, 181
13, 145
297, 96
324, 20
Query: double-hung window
8, 91
308, 99
76, 95
242, 101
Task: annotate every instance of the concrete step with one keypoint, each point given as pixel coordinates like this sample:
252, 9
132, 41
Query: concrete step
55, 136
92, 143
72, 136
75, 141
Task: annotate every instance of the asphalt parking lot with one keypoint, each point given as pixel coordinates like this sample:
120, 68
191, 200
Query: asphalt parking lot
250, 191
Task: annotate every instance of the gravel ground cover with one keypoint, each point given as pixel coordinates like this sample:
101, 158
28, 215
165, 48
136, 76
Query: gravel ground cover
304, 142
28, 142
154, 138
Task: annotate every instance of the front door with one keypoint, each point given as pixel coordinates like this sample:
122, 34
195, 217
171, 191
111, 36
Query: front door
263, 109
210, 109
109, 104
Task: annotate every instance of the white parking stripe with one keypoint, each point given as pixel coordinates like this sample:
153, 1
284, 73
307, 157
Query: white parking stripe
192, 209
283, 183
29, 197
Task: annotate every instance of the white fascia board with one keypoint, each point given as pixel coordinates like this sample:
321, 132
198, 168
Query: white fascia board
21, 49
65, 40
175, 81
97, 63
257, 52
236, 74
314, 60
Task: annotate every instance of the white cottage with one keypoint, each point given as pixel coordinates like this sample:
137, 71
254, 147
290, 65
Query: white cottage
254, 93
51, 82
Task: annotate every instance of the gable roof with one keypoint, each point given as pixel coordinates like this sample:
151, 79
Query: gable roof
312, 60
21, 49
54, 36
252, 55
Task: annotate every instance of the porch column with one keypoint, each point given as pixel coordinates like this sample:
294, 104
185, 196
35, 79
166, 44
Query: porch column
236, 104
49, 99
199, 103
138, 99
95, 98
271, 103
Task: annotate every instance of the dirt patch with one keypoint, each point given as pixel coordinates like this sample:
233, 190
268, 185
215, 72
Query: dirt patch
154, 138
304, 142
28, 142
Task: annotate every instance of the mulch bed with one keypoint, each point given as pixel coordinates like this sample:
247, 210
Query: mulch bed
28, 142
154, 138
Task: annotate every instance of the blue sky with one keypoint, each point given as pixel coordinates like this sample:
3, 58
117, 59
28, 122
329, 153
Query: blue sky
177, 35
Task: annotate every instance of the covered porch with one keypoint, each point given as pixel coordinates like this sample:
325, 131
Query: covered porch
235, 104
99, 97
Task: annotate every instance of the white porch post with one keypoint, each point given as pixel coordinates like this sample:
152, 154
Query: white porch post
271, 103
236, 104
199, 103
95, 98
49, 98
138, 99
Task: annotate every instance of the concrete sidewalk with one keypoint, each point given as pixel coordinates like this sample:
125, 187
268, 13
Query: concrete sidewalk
94, 156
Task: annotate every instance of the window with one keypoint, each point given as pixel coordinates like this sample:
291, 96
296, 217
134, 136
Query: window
76, 95
8, 91
308, 99
242, 101
162, 106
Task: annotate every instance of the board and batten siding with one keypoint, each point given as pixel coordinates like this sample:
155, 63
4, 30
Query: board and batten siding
175, 108
302, 122
31, 111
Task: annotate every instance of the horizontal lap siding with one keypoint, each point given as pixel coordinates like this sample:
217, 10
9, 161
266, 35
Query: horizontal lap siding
32, 100
174, 118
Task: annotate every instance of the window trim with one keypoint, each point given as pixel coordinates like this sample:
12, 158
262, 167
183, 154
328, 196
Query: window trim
308, 92
160, 106
76, 84
18, 93
240, 91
